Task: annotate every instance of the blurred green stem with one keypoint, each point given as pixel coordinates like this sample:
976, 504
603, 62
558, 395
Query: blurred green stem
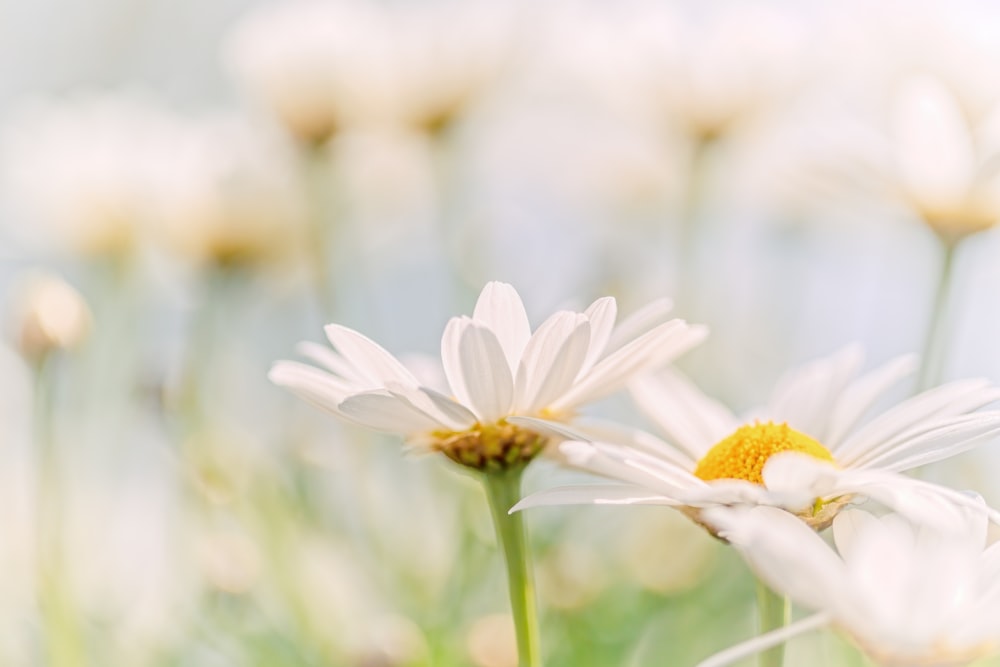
773, 610
63, 643
936, 342
322, 220
503, 490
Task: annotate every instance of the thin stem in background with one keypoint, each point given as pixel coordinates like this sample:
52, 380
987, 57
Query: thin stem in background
62, 638
773, 610
936, 341
503, 490
321, 195
691, 215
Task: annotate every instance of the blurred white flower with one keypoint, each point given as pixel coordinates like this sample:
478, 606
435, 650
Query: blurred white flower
947, 168
804, 452
906, 595
230, 194
706, 70
496, 368
48, 314
322, 65
78, 171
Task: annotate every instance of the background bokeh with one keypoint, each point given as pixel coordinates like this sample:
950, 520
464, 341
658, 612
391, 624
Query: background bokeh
189, 189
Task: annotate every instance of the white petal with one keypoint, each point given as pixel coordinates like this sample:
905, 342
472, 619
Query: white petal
648, 352
847, 526
607, 431
861, 395
551, 360
934, 441
369, 358
803, 398
629, 466
687, 416
952, 399
316, 387
451, 356
786, 554
450, 413
328, 359
500, 308
593, 494
383, 411
486, 375
602, 314
639, 322
766, 641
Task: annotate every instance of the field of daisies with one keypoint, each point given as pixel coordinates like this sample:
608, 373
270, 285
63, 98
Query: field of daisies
450, 333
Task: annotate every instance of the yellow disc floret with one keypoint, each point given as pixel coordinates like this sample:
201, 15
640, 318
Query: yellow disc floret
743, 454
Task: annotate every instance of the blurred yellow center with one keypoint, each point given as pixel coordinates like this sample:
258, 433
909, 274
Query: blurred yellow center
743, 454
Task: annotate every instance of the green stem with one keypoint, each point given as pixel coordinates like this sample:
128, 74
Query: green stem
773, 611
933, 357
503, 490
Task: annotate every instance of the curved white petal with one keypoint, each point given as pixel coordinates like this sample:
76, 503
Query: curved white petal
485, 374
602, 314
451, 356
857, 398
766, 641
655, 348
804, 396
786, 554
551, 360
316, 387
328, 359
370, 359
501, 310
952, 399
593, 494
450, 413
932, 442
687, 416
639, 322
383, 411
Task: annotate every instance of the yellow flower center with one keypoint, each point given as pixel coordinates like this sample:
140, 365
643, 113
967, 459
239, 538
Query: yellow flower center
496, 446
743, 454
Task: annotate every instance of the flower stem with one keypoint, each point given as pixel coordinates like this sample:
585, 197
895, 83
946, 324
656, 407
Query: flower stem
773, 611
932, 359
503, 490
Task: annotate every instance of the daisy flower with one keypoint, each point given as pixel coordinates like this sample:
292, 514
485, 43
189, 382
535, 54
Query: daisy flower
906, 595
496, 368
809, 451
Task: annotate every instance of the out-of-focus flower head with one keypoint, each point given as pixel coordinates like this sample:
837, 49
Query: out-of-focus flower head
229, 195
706, 71
907, 595
48, 315
946, 162
77, 171
323, 65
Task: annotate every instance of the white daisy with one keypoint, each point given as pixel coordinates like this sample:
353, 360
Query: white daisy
496, 368
807, 451
908, 596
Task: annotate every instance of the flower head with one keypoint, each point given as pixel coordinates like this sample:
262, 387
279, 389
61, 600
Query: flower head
321, 66
907, 595
808, 451
496, 369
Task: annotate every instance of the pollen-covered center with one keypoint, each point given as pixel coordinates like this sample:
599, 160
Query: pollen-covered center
495, 446
743, 454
